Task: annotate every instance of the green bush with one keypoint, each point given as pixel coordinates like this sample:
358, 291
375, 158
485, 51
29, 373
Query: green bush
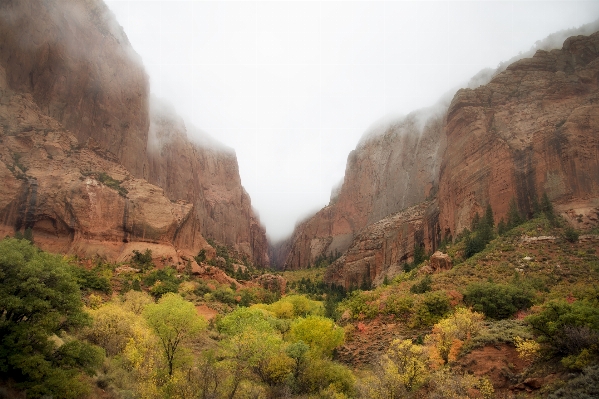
108, 181
224, 295
571, 235
399, 305
361, 304
162, 281
429, 308
422, 286
88, 279
40, 298
497, 301
142, 260
568, 328
584, 386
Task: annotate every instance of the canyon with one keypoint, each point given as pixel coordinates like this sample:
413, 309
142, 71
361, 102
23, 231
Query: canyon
525, 130
96, 166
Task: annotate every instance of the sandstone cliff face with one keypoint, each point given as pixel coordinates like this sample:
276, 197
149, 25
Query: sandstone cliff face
68, 67
78, 66
532, 129
205, 174
79, 199
382, 248
389, 171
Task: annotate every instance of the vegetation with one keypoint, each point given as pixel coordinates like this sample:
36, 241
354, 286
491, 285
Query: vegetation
108, 181
497, 301
537, 297
40, 304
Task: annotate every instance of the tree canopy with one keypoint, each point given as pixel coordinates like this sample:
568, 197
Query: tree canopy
39, 299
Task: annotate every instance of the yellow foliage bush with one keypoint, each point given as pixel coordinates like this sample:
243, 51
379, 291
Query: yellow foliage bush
528, 349
450, 334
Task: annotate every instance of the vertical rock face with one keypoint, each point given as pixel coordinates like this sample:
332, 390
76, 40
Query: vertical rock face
74, 94
531, 130
79, 199
390, 170
76, 62
206, 174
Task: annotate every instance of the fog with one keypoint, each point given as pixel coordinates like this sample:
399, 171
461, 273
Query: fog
292, 86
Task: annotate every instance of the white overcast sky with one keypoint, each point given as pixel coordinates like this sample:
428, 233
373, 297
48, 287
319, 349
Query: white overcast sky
292, 86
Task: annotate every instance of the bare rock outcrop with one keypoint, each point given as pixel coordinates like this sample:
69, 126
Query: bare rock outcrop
531, 130
438, 262
79, 200
79, 67
75, 97
391, 169
383, 248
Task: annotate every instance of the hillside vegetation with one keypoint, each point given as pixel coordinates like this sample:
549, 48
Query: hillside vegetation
85, 328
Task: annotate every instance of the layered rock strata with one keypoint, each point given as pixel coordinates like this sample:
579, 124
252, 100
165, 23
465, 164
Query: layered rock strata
79, 199
531, 130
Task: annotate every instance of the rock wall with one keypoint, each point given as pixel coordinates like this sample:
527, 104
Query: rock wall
382, 248
391, 169
77, 64
70, 65
531, 130
79, 199
205, 174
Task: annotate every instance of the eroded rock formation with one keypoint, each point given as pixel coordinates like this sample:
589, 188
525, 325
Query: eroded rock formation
78, 199
204, 173
531, 130
75, 120
382, 248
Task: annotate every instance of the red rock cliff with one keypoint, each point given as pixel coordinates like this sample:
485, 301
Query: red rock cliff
382, 248
68, 67
76, 62
388, 172
206, 174
79, 199
531, 130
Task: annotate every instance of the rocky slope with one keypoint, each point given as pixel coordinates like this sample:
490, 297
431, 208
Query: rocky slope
78, 199
391, 169
531, 130
76, 119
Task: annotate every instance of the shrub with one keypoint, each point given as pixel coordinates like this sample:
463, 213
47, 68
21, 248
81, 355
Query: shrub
142, 261
497, 301
88, 279
571, 235
108, 181
399, 305
567, 328
585, 386
430, 308
423, 286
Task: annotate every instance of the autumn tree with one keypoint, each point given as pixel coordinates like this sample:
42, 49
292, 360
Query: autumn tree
175, 321
322, 335
449, 334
